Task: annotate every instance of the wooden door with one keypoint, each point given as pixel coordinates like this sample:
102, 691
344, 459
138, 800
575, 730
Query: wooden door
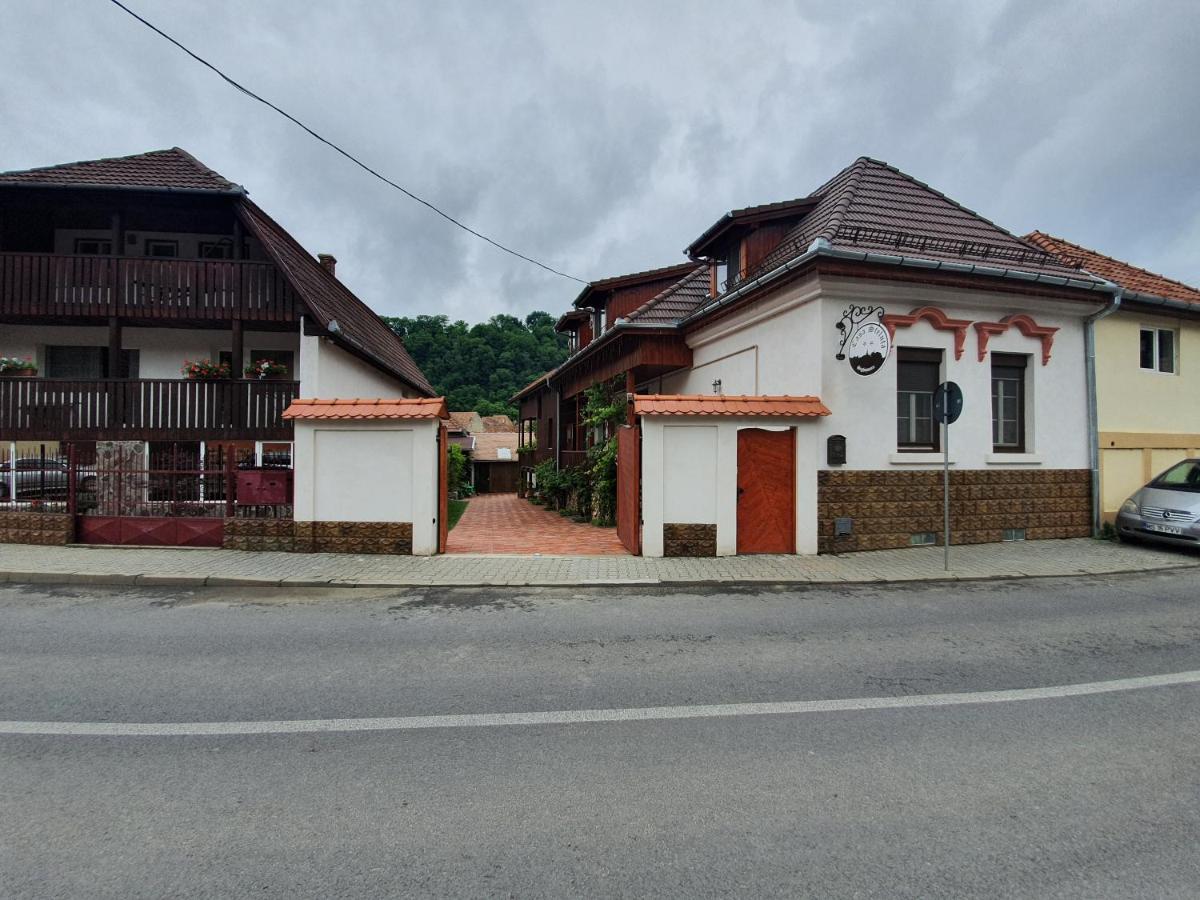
766, 485
629, 487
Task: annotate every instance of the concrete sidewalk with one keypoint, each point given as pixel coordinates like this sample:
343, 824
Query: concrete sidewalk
21, 563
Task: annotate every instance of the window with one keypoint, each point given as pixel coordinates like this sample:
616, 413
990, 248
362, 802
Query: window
918, 374
1008, 403
93, 247
1012, 534
162, 249
923, 539
1157, 346
222, 249
88, 363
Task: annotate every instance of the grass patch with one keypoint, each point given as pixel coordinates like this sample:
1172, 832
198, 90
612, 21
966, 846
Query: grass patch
457, 508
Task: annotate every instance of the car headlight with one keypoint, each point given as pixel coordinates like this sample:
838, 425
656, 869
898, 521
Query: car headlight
1130, 506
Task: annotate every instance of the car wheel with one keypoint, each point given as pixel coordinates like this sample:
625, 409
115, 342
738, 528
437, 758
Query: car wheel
87, 484
1127, 539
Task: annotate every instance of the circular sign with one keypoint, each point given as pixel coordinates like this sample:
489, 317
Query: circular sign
947, 403
868, 348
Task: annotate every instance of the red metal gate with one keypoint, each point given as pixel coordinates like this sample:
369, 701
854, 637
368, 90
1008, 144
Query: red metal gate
443, 487
629, 487
173, 494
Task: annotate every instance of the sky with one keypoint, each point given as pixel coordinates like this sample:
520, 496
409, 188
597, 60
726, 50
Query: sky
603, 137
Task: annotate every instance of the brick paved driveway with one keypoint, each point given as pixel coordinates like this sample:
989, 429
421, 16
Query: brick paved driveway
506, 524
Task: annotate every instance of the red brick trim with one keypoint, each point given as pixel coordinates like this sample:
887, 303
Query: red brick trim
1024, 324
936, 318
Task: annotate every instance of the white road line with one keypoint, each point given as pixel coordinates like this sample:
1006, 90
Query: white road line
587, 716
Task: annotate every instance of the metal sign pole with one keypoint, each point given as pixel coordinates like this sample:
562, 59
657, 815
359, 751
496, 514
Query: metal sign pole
946, 492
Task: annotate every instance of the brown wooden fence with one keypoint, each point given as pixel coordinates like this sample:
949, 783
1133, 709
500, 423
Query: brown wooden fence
34, 409
47, 284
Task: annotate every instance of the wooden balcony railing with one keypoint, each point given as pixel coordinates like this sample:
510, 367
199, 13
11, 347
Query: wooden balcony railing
569, 459
47, 284
47, 409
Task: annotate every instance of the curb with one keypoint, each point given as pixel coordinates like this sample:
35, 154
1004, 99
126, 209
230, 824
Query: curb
155, 580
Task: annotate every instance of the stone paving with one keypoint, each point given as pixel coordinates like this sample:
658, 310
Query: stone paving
504, 523
129, 565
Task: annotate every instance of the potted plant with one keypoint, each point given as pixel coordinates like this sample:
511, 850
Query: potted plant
204, 370
266, 370
17, 367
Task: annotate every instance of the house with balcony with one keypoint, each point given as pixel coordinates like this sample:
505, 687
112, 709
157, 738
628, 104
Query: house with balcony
781, 381
116, 274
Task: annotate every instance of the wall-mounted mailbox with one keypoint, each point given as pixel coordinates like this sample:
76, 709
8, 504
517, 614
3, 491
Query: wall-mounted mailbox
843, 526
262, 487
835, 450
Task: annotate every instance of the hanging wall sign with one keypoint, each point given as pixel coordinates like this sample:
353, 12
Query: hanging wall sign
864, 340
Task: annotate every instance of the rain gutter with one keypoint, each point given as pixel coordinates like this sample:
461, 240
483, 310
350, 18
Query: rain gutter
1089, 349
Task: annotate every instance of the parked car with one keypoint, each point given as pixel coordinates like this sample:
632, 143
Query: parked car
1166, 510
32, 478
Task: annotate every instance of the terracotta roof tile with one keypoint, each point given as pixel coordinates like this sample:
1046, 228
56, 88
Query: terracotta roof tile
467, 421
172, 169
368, 408
1130, 277
498, 424
727, 405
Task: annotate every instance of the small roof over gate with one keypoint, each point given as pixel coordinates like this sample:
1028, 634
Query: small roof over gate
369, 408
722, 405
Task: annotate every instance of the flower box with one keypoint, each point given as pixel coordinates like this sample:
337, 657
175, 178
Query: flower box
17, 367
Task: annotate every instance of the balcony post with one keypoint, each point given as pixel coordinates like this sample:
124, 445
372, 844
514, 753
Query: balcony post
237, 349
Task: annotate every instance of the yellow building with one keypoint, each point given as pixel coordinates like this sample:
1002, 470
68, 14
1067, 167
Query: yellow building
1147, 373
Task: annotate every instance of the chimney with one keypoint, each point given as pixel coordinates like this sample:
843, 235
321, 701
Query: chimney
328, 262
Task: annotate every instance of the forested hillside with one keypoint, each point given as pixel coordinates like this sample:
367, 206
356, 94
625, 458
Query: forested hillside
481, 366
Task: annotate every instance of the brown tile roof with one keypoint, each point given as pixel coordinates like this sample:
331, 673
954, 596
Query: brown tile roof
172, 169
1124, 275
467, 420
349, 321
676, 302
368, 408
633, 278
488, 447
533, 385
874, 207
498, 425
721, 405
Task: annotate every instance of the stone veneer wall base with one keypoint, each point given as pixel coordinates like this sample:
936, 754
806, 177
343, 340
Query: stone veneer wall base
689, 539
889, 507
46, 529
318, 537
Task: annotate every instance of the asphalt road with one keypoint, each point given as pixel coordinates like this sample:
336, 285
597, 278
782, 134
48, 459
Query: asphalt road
1090, 796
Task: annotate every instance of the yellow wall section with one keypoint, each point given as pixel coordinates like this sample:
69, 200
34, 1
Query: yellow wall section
1148, 420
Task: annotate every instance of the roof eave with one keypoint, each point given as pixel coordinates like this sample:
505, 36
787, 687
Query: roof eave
236, 191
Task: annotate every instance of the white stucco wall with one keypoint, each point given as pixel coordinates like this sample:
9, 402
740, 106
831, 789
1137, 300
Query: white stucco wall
383, 471
327, 371
161, 351
689, 475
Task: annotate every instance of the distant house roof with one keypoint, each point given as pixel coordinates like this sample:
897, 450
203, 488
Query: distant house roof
498, 424
468, 422
163, 170
368, 408
496, 446
1127, 276
748, 216
722, 405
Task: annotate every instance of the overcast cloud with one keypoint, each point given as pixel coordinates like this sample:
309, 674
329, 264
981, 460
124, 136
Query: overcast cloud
604, 137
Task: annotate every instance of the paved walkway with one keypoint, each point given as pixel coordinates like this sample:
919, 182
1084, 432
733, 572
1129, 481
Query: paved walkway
129, 565
504, 523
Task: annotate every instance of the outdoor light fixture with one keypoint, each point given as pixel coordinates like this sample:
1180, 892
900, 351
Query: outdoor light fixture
717, 386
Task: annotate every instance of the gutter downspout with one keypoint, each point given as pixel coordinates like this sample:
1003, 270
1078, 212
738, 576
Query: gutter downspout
1089, 344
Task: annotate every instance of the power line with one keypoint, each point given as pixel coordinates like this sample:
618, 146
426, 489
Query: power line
362, 165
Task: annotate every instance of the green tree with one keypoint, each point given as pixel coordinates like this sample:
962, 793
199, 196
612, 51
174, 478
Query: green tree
481, 366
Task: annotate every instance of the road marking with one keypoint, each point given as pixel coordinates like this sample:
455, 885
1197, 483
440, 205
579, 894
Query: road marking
589, 716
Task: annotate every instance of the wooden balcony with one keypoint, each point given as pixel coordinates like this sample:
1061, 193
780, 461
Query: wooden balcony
570, 459
161, 409
40, 285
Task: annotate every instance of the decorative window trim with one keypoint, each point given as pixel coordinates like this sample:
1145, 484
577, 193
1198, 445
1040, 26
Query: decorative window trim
984, 331
938, 319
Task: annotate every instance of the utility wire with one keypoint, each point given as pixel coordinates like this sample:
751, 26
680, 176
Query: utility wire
349, 156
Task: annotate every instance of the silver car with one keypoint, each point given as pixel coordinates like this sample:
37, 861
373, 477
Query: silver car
1165, 510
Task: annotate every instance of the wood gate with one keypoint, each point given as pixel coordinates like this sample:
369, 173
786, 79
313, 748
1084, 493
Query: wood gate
629, 488
766, 497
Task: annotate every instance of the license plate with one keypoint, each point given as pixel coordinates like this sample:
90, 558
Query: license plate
1164, 529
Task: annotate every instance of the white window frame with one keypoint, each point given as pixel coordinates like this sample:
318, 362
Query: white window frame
1155, 332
